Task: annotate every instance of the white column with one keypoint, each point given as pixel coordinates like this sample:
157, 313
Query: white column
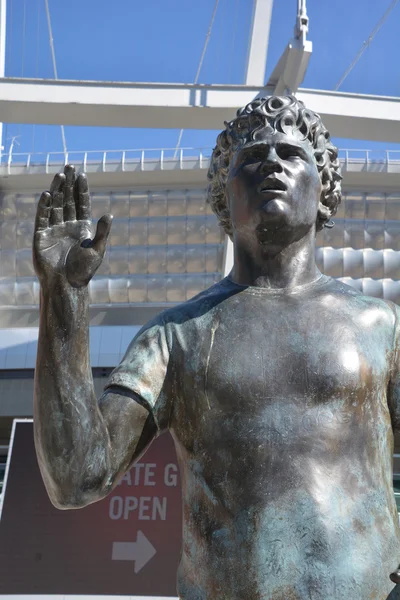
228, 257
258, 42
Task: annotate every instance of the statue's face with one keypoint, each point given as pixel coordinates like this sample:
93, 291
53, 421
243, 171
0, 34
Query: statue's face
273, 189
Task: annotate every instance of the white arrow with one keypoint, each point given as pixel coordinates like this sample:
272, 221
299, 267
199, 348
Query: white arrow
140, 551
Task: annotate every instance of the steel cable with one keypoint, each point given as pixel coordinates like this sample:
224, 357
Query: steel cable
196, 79
366, 44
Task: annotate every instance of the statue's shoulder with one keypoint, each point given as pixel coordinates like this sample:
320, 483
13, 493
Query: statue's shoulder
199, 305
355, 299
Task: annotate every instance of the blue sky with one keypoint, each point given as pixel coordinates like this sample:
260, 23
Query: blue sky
162, 40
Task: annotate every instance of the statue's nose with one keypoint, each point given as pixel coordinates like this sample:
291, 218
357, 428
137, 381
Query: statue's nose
271, 163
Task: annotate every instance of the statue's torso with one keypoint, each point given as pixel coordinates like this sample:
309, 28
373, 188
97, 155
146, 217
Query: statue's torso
284, 437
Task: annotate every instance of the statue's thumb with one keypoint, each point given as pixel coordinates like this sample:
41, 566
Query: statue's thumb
395, 576
102, 232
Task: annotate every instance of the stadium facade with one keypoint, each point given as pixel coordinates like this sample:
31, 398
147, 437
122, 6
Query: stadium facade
166, 246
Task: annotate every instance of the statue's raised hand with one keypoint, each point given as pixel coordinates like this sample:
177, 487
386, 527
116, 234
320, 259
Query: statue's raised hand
63, 245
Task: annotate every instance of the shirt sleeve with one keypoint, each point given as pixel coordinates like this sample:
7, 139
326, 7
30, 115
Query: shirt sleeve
143, 370
394, 384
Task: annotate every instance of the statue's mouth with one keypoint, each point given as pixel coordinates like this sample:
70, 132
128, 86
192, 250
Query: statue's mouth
272, 183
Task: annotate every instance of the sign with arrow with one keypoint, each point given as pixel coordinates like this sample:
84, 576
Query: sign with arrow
140, 551
114, 546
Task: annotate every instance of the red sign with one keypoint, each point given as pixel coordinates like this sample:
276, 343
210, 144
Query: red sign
129, 543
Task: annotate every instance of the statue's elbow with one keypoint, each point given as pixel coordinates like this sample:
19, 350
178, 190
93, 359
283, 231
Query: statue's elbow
79, 495
62, 502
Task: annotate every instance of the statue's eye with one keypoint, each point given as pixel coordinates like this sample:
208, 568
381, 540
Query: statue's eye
256, 154
288, 153
252, 157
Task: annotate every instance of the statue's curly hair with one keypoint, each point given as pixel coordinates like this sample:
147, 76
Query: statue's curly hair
284, 114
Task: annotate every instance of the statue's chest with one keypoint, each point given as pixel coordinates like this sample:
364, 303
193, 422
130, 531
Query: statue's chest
246, 360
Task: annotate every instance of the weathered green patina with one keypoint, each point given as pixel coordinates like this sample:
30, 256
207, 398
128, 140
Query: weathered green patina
280, 386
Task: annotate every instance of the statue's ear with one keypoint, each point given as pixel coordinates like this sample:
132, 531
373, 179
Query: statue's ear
324, 214
328, 204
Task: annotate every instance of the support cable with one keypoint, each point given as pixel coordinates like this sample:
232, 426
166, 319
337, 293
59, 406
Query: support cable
233, 40
9, 42
37, 63
23, 40
37, 39
53, 56
366, 44
22, 53
196, 79
217, 55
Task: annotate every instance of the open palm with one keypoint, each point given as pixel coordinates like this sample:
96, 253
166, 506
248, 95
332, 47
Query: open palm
63, 244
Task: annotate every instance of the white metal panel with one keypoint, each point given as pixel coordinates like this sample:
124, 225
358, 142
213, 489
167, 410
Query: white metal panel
166, 246
157, 239
18, 346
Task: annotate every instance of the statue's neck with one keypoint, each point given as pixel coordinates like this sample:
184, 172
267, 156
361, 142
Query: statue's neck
271, 267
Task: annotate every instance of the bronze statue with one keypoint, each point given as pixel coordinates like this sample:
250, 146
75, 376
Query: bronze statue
279, 385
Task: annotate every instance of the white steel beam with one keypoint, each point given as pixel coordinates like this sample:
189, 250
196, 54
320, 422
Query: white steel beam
291, 68
292, 65
147, 105
177, 106
258, 42
356, 116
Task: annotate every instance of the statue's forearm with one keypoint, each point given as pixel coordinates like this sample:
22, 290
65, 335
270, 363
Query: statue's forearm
83, 446
71, 437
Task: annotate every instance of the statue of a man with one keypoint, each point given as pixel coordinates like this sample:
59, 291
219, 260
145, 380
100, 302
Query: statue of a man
279, 385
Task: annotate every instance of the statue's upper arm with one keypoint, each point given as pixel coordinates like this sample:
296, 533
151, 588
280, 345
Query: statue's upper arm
130, 424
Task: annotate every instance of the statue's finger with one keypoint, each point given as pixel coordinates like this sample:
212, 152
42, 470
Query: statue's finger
57, 193
102, 232
43, 212
69, 201
82, 198
395, 576
57, 184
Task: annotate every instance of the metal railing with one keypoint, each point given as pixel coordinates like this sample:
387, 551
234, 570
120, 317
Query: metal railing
355, 155
125, 158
